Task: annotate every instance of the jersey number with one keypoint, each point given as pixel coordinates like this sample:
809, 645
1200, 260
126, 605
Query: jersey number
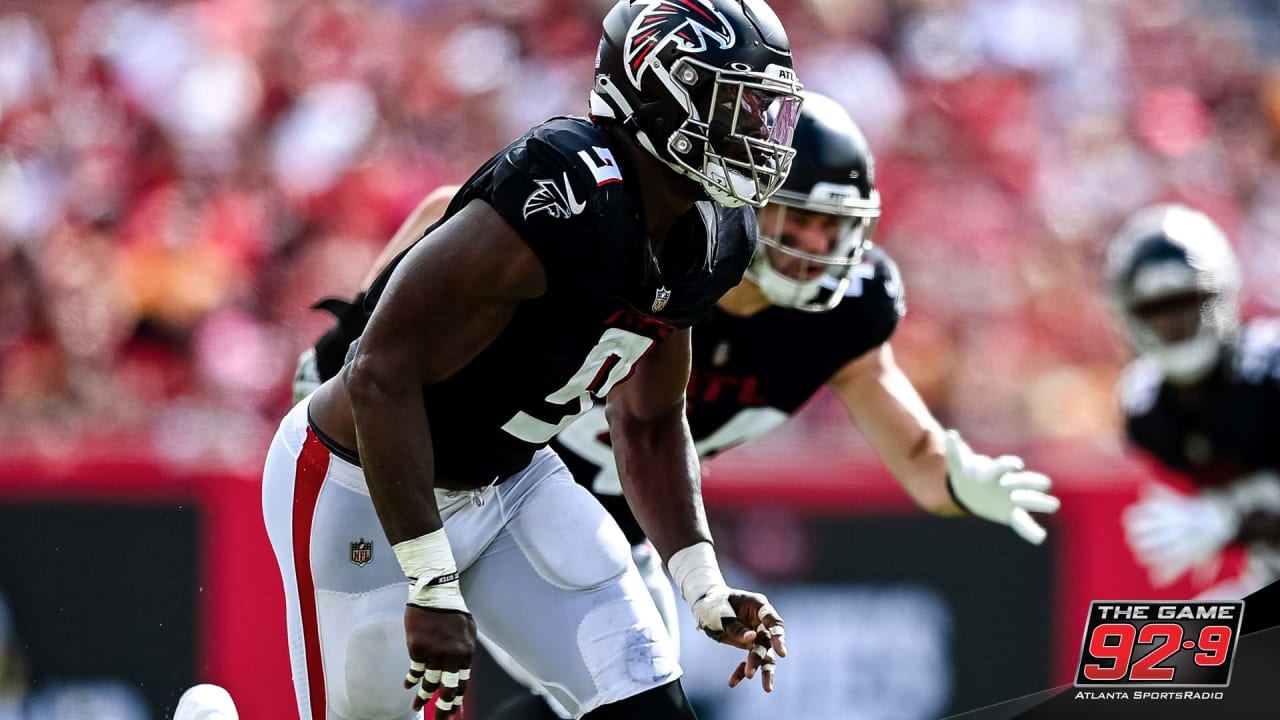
602, 164
607, 364
861, 273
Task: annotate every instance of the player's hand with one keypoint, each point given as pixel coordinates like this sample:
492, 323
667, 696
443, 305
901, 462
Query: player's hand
745, 620
999, 489
441, 643
1171, 533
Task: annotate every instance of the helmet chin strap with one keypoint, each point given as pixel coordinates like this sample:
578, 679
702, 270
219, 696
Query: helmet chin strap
1190, 360
780, 289
628, 121
742, 186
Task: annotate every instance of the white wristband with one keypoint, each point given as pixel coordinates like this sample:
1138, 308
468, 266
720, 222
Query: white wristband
696, 571
427, 561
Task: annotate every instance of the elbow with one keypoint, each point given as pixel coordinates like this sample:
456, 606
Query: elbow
618, 416
366, 384
624, 414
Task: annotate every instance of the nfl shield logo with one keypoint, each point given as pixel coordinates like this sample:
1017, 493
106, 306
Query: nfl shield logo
660, 298
721, 354
361, 552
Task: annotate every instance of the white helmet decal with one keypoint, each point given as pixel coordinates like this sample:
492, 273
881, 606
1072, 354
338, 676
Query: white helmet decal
689, 23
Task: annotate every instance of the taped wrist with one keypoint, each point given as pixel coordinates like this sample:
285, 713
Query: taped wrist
696, 571
427, 561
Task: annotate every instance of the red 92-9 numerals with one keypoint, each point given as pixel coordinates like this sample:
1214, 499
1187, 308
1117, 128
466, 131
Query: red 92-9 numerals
1115, 642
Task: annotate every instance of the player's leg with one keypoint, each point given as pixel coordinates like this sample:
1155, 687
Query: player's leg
649, 563
344, 591
666, 701
539, 704
656, 703
558, 590
525, 707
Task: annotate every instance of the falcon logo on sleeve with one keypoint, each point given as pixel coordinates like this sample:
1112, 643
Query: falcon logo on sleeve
550, 199
691, 23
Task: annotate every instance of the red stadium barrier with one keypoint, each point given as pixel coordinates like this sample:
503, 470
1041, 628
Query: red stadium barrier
241, 635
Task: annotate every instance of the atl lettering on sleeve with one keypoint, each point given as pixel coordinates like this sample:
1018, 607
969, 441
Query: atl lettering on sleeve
1170, 644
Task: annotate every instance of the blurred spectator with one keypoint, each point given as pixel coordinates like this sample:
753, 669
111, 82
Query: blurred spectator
179, 180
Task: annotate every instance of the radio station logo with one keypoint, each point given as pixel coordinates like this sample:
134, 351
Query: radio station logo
1165, 644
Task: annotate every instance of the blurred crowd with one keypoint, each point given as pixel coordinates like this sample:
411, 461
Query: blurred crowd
179, 181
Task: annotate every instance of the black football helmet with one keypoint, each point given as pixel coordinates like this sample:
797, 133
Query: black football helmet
1175, 279
705, 86
833, 173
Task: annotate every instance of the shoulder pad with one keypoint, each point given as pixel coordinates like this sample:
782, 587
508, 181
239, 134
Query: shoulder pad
1258, 351
1140, 385
571, 162
873, 304
877, 277
562, 190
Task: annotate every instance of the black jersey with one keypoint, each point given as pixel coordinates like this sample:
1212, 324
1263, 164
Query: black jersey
751, 373
568, 191
1231, 424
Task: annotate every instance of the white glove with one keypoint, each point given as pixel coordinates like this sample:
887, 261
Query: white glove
998, 489
1171, 533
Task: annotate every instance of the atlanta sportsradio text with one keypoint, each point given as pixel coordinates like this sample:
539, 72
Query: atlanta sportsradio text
1148, 695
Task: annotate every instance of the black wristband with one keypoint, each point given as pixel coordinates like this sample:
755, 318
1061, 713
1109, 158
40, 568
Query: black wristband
437, 580
955, 498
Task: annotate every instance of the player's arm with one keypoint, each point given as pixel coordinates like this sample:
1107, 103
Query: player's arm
446, 301
1256, 498
936, 467
429, 210
661, 479
895, 421
323, 359
657, 463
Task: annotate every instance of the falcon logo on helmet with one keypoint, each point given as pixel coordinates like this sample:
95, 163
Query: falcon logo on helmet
706, 87
690, 23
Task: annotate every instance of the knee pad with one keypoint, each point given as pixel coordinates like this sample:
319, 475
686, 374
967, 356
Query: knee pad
373, 671
626, 648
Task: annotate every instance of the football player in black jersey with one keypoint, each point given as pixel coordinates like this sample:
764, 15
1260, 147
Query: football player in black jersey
576, 258
818, 307
1202, 398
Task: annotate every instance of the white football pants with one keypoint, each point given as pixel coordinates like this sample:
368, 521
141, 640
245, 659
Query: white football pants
546, 572
660, 589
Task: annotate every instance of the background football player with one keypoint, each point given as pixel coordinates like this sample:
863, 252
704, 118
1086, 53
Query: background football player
817, 308
574, 259
1202, 398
